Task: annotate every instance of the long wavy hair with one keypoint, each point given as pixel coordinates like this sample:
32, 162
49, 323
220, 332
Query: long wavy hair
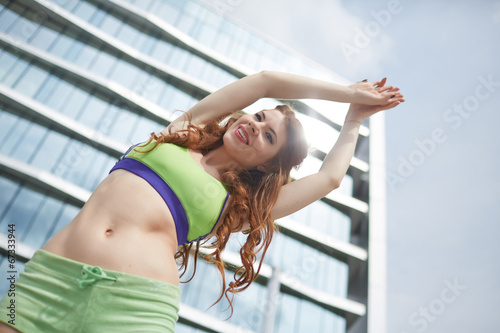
253, 194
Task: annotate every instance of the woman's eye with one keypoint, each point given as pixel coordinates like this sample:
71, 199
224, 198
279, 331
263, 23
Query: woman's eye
258, 117
269, 137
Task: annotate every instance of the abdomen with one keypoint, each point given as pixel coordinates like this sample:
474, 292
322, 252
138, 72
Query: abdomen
124, 226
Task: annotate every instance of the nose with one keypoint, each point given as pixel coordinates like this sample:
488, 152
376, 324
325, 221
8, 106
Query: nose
254, 127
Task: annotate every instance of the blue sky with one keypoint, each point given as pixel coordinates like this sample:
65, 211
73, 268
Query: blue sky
442, 156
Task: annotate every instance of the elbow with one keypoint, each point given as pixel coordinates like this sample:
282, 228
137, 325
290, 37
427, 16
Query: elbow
266, 80
333, 183
262, 75
329, 181
264, 72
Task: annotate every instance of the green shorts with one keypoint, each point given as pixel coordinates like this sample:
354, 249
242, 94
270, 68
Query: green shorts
56, 294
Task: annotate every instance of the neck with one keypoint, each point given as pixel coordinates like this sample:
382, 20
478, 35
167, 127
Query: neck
219, 160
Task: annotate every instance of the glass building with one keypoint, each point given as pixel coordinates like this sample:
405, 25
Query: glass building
80, 81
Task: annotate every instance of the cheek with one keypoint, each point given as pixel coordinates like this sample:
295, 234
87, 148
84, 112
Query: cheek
266, 151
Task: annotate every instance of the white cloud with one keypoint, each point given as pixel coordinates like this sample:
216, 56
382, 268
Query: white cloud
318, 29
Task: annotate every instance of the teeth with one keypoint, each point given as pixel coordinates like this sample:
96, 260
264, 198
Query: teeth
243, 135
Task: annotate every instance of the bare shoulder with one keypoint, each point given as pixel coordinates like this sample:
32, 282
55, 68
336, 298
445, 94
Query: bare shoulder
183, 121
180, 123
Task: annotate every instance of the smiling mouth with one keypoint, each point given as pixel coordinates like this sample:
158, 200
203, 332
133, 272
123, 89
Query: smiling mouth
242, 135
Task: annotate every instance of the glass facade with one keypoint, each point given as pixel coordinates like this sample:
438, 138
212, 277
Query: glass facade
69, 68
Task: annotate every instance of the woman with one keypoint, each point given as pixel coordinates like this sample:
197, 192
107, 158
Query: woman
113, 268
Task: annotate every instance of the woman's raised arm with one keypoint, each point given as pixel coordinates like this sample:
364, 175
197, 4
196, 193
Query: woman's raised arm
269, 84
302, 192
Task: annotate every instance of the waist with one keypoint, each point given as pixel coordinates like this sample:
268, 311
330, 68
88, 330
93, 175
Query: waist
125, 249
73, 269
123, 227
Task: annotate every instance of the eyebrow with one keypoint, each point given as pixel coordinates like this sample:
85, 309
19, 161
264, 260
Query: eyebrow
275, 135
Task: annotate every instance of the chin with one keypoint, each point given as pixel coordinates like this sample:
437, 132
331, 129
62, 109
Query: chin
237, 150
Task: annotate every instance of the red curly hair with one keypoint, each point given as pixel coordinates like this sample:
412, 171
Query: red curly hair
253, 194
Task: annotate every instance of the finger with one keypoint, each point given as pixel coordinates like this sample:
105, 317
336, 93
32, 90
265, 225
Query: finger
397, 95
390, 99
391, 89
392, 94
390, 106
399, 98
388, 88
380, 83
384, 88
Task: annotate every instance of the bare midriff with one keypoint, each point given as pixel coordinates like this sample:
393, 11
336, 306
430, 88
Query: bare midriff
124, 226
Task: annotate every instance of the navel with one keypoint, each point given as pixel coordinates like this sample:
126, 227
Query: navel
109, 232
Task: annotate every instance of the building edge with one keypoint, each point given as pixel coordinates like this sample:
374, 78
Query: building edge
377, 255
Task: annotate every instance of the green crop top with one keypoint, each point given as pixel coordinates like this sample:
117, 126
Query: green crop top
195, 198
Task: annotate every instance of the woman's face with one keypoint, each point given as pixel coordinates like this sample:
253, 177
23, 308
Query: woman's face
253, 140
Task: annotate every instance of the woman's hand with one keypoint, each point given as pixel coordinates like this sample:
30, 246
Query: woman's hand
389, 97
373, 93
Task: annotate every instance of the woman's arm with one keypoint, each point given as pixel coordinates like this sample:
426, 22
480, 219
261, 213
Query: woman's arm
268, 84
302, 192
